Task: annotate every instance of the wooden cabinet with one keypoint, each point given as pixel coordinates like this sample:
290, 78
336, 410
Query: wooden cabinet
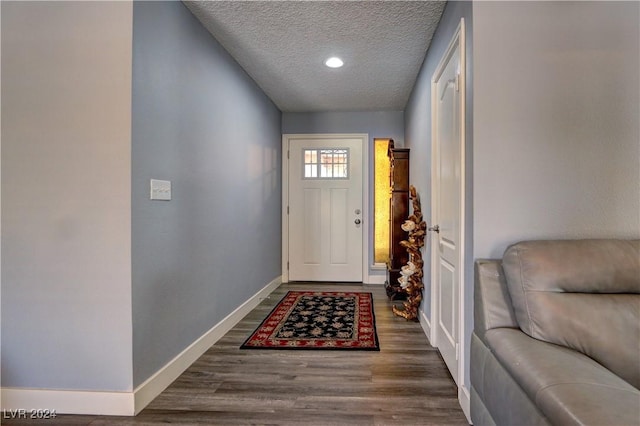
398, 213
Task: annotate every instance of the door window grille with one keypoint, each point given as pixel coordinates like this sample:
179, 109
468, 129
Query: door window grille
326, 163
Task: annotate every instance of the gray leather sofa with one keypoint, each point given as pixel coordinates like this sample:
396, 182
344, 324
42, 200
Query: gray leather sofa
557, 334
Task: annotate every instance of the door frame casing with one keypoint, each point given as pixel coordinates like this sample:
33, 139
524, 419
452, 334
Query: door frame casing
286, 138
458, 40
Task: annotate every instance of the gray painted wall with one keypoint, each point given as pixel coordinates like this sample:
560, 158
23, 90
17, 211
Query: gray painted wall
202, 123
378, 124
66, 195
556, 143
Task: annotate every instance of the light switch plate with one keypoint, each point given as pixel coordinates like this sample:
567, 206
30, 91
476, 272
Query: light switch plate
160, 190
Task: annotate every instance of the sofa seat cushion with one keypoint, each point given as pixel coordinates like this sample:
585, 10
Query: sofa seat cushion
582, 294
567, 386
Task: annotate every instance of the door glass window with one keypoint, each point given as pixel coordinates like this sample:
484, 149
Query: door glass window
326, 163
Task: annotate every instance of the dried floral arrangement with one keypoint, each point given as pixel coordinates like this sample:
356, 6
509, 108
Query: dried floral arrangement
411, 274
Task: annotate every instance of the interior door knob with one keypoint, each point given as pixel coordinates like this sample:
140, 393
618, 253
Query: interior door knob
435, 228
357, 222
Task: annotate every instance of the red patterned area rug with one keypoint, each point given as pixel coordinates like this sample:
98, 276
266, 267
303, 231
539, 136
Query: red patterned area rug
318, 320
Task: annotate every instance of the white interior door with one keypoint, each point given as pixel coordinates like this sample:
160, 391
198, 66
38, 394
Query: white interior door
448, 139
325, 209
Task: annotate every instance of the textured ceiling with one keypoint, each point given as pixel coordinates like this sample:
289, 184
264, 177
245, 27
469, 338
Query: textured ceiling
283, 44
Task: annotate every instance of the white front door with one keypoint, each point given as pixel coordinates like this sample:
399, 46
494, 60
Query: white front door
325, 209
448, 203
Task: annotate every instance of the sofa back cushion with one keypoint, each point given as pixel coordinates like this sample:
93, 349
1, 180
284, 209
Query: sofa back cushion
582, 294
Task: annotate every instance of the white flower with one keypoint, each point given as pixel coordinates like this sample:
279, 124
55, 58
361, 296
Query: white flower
408, 269
404, 281
408, 226
406, 272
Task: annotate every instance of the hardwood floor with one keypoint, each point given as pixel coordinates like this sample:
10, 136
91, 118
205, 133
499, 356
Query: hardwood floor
406, 383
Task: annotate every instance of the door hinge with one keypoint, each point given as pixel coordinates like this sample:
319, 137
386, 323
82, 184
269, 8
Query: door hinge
288, 153
287, 266
458, 82
287, 209
457, 351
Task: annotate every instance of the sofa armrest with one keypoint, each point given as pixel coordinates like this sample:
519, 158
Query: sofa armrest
496, 397
567, 386
492, 303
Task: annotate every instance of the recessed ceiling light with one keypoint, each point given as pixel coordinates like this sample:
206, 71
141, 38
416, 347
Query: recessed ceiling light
334, 62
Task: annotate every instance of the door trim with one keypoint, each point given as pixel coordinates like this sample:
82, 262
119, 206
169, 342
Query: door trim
364, 138
458, 39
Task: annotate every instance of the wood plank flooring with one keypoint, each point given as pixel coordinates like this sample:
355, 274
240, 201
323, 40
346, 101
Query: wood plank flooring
406, 383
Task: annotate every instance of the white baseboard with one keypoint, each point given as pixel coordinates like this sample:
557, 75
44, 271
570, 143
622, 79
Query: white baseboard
153, 386
375, 279
68, 402
426, 324
464, 398
129, 403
